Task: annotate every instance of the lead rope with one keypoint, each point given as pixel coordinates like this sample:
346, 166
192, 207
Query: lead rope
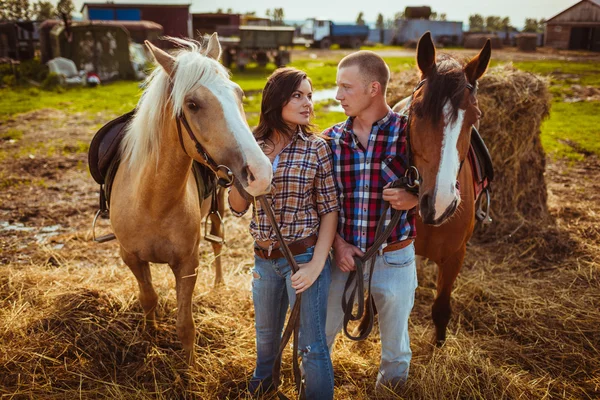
293, 324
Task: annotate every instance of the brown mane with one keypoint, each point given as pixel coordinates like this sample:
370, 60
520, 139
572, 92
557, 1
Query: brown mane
446, 82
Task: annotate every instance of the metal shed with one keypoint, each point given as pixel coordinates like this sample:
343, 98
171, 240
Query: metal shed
175, 19
576, 28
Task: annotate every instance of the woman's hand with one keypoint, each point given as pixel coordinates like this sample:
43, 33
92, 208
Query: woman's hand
307, 275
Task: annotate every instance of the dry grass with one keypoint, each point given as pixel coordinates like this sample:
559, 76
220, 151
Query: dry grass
525, 322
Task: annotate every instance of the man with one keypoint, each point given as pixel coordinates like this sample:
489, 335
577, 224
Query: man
369, 153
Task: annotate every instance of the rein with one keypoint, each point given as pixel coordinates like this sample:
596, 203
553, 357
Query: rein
223, 173
293, 325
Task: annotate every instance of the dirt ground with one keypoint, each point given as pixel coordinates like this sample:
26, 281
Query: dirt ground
525, 322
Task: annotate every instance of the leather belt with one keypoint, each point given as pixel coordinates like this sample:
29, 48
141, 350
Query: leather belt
400, 244
297, 247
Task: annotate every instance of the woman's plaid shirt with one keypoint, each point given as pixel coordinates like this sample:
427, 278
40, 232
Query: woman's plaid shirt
361, 175
303, 189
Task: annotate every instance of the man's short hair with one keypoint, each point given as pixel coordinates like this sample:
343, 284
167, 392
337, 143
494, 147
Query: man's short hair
370, 65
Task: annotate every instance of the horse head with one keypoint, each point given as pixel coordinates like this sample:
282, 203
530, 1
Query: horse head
442, 112
209, 106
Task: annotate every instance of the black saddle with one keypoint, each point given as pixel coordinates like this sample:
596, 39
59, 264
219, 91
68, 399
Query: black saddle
104, 157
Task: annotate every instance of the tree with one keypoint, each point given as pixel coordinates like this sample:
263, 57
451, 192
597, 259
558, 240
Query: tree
493, 23
278, 16
65, 8
360, 19
433, 16
43, 10
531, 25
399, 15
268, 13
476, 23
230, 11
380, 24
15, 10
219, 11
443, 17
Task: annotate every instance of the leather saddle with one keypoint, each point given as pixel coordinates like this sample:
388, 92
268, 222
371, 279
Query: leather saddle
483, 174
105, 146
104, 158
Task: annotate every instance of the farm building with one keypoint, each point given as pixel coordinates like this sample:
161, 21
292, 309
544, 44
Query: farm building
576, 28
443, 32
175, 19
223, 24
139, 31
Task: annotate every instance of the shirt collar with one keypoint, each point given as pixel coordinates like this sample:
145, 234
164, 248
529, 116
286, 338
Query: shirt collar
382, 123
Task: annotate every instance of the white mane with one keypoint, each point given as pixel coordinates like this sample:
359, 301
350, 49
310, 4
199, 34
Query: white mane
192, 70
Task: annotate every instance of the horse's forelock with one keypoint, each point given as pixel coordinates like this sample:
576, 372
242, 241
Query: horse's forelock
192, 69
447, 82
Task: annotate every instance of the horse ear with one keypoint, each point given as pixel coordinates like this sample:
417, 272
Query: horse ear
214, 47
477, 66
165, 60
426, 54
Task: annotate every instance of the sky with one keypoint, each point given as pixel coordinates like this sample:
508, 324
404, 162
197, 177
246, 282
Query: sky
455, 10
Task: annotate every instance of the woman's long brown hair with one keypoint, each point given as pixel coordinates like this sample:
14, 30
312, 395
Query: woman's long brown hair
277, 93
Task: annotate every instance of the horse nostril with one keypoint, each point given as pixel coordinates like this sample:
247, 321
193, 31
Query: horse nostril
249, 175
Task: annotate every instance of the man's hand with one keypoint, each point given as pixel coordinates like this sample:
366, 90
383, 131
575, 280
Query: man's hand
343, 252
399, 199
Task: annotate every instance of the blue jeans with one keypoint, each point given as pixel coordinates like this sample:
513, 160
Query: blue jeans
271, 293
393, 289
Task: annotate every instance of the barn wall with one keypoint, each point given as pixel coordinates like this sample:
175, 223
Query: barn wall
557, 36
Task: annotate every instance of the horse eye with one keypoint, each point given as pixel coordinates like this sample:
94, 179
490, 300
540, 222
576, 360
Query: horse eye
192, 106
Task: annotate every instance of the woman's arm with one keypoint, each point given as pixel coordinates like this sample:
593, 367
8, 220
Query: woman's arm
237, 203
309, 272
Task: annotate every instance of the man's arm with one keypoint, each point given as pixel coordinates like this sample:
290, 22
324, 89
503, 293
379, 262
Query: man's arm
344, 253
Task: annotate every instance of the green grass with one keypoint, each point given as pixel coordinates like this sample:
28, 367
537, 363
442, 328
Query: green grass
12, 134
118, 97
572, 130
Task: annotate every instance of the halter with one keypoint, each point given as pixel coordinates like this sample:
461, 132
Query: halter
223, 173
412, 178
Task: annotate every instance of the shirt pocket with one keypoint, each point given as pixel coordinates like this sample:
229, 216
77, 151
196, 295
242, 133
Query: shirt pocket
392, 168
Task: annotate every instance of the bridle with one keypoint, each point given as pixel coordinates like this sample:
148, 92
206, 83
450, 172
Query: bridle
223, 173
412, 178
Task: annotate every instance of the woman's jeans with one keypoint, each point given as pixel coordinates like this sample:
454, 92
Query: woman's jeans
272, 292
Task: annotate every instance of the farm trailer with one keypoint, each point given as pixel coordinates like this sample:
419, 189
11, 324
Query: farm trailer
258, 43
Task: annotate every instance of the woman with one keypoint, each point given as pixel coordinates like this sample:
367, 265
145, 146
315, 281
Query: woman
305, 202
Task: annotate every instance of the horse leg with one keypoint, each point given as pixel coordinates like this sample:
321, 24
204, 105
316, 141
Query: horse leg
216, 229
185, 281
148, 297
448, 270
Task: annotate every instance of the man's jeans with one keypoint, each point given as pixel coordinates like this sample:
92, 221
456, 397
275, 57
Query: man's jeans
271, 290
393, 289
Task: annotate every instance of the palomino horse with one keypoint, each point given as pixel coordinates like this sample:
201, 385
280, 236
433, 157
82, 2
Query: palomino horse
155, 211
442, 111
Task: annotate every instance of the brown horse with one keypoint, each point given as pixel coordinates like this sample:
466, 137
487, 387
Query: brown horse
155, 211
442, 111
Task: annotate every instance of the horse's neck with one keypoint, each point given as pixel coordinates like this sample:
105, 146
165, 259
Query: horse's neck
165, 181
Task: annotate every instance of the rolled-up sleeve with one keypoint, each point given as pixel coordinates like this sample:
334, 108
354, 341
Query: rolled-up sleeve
234, 212
325, 188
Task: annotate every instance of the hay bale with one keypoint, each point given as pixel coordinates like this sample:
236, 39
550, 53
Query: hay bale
477, 41
527, 41
513, 104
